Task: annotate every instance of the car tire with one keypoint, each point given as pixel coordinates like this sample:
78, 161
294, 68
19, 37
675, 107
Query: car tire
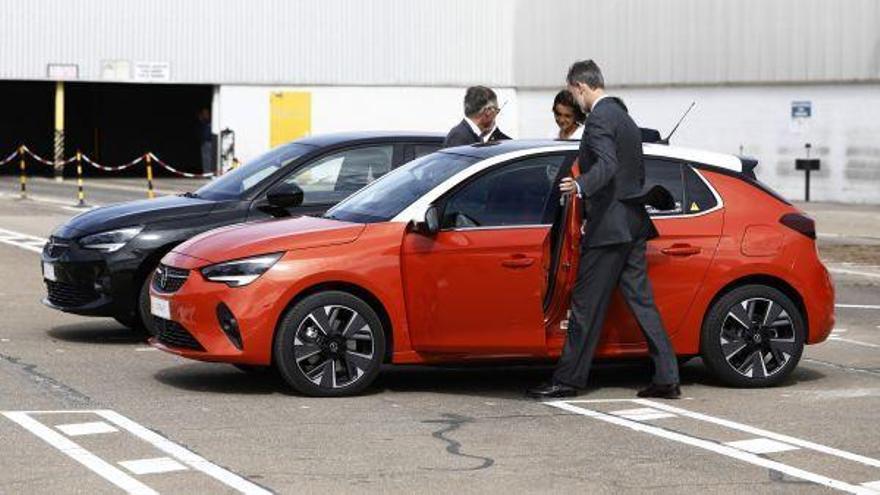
334, 355
753, 337
143, 319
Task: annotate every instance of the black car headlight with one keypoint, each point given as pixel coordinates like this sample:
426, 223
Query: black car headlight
111, 240
241, 272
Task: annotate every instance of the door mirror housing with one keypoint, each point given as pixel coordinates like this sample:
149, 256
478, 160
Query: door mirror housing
284, 195
431, 223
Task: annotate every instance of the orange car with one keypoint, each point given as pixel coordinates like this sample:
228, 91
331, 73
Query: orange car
469, 254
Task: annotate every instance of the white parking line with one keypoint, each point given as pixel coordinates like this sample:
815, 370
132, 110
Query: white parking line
24, 241
854, 342
766, 441
92, 428
857, 306
761, 446
70, 448
844, 271
140, 466
153, 466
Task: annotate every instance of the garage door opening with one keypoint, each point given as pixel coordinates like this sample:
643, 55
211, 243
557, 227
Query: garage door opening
26, 118
111, 123
116, 123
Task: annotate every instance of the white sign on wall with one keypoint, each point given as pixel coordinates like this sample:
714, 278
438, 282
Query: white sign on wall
62, 72
801, 115
152, 71
115, 70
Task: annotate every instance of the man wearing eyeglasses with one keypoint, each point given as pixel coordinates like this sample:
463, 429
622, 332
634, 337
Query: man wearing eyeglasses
478, 126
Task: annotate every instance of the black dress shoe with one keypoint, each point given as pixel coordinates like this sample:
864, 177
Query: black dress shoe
551, 391
671, 391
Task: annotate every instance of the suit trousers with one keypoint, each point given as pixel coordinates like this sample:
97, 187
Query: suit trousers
602, 269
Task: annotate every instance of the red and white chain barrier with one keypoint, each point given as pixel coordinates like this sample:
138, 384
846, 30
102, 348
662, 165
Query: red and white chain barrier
178, 172
44, 161
9, 158
106, 168
117, 168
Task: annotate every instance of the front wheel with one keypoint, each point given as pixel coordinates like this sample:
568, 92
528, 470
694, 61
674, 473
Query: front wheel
331, 344
753, 337
143, 319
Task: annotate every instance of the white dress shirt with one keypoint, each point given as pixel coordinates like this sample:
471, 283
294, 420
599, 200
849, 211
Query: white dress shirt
576, 135
479, 132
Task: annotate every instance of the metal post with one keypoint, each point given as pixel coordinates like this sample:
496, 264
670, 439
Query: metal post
59, 131
79, 180
21, 167
149, 159
807, 176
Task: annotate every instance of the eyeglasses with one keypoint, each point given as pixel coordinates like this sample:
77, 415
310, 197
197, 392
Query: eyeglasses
494, 108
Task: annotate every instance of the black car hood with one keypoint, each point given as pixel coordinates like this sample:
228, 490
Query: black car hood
131, 213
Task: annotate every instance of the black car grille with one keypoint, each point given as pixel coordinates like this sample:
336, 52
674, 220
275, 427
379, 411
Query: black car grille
69, 295
172, 334
56, 247
169, 279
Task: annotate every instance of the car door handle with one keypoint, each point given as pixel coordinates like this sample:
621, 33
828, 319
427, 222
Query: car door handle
681, 250
518, 262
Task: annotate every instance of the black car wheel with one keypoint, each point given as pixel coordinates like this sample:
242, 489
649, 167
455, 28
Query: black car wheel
330, 344
753, 337
143, 323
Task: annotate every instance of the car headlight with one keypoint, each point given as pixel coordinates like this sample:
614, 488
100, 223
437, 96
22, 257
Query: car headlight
241, 272
111, 240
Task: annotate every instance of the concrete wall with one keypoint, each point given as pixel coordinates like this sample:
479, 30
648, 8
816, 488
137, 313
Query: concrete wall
844, 130
245, 109
521, 43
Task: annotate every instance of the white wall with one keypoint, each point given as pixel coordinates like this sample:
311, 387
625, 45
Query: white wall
844, 130
245, 109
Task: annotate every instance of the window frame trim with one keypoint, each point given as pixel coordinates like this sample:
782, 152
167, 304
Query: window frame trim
718, 199
320, 156
443, 199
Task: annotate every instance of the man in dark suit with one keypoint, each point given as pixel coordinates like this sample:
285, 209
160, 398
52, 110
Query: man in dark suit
614, 244
478, 125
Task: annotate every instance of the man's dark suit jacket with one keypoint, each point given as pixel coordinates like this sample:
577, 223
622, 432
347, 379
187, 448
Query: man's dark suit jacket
613, 177
462, 134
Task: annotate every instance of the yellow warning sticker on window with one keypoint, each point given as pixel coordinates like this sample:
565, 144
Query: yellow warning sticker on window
694, 207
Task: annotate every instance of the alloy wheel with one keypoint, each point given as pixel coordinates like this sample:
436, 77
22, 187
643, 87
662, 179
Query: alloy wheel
333, 346
757, 338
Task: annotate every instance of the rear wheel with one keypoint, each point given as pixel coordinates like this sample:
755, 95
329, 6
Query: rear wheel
753, 337
330, 344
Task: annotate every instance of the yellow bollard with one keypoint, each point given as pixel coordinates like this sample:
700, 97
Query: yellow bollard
21, 166
149, 176
79, 180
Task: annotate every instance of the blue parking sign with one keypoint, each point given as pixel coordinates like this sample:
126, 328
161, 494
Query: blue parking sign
801, 109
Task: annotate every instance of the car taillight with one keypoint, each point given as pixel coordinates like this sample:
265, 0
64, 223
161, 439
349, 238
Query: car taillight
799, 223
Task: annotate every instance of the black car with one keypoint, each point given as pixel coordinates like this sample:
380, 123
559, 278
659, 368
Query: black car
99, 263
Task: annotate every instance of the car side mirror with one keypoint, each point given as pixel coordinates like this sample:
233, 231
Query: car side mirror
284, 195
431, 223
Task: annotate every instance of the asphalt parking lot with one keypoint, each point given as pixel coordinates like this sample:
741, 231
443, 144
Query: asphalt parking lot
87, 408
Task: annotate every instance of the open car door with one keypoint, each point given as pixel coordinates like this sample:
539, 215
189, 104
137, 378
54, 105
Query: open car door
561, 256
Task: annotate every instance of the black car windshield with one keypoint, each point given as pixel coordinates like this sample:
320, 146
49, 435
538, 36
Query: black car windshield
237, 182
392, 193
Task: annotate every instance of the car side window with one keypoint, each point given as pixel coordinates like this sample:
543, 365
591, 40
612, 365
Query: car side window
698, 196
420, 150
666, 173
331, 178
513, 194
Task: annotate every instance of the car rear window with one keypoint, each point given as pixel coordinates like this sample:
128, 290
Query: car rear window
698, 196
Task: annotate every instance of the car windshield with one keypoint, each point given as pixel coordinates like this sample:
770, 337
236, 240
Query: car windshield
386, 197
237, 182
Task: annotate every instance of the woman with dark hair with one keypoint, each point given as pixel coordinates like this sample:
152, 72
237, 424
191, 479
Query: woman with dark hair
569, 116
